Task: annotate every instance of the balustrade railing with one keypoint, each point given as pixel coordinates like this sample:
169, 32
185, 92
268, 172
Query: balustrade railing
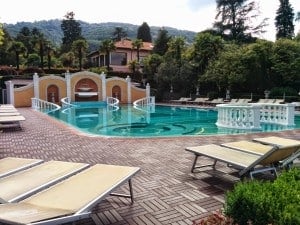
145, 104
112, 101
42, 105
66, 102
145, 101
251, 116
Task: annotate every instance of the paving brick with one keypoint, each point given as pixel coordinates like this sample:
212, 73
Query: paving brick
165, 191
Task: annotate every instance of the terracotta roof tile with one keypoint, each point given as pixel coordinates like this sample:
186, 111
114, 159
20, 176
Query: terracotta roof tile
127, 44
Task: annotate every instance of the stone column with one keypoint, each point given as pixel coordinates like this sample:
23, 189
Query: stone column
36, 85
147, 90
10, 98
103, 81
128, 79
290, 117
68, 84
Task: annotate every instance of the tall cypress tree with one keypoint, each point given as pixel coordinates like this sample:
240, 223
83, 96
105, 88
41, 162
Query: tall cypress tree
161, 43
72, 32
233, 20
284, 20
144, 33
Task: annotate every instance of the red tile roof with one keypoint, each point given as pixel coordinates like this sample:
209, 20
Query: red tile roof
127, 44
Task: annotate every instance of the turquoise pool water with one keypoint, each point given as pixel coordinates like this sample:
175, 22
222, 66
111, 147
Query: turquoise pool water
159, 121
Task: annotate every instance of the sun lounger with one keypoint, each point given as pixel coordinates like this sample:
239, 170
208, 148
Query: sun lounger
8, 110
71, 199
245, 162
249, 146
11, 119
283, 143
278, 101
10, 114
27, 182
233, 101
216, 101
199, 101
7, 106
10, 165
243, 101
181, 100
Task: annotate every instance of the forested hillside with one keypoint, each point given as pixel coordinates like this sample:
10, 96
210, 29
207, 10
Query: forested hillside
93, 32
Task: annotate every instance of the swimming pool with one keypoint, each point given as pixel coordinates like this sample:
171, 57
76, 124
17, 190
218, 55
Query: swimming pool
158, 121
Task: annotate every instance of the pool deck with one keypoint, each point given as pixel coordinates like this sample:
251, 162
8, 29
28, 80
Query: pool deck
165, 190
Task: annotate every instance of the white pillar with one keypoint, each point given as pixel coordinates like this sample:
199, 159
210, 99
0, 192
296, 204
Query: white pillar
10, 98
290, 117
256, 117
103, 81
68, 83
128, 79
36, 85
147, 90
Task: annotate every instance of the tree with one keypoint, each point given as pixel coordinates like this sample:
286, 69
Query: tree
205, 49
25, 36
284, 20
39, 42
119, 33
233, 20
80, 47
18, 48
50, 51
1, 34
176, 47
144, 33
107, 46
286, 63
71, 30
67, 59
137, 44
161, 43
227, 70
297, 17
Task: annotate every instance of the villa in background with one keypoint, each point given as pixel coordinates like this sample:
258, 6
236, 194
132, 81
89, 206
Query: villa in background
121, 56
80, 86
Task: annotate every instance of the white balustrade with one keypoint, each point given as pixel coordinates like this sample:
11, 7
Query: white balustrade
39, 104
145, 101
145, 104
250, 116
112, 101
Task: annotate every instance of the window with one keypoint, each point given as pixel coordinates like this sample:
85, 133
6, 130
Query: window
118, 58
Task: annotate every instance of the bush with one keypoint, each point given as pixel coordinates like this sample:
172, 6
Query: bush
264, 202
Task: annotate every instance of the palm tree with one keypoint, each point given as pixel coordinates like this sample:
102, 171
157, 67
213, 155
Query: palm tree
107, 46
79, 47
50, 51
40, 43
137, 44
18, 48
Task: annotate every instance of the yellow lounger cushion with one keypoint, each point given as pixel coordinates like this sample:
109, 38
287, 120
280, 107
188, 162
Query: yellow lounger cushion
27, 181
11, 164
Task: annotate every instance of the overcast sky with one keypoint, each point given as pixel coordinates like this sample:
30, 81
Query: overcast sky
194, 15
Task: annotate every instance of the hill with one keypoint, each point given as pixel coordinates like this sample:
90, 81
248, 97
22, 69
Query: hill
94, 33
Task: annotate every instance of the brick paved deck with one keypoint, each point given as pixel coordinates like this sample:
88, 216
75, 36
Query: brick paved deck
165, 191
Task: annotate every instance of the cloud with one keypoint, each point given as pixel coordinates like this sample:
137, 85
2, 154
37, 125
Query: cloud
196, 5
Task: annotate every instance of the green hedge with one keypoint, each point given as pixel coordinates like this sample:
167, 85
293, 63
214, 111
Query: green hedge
266, 202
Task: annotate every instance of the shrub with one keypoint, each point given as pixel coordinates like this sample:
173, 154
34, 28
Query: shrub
264, 202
